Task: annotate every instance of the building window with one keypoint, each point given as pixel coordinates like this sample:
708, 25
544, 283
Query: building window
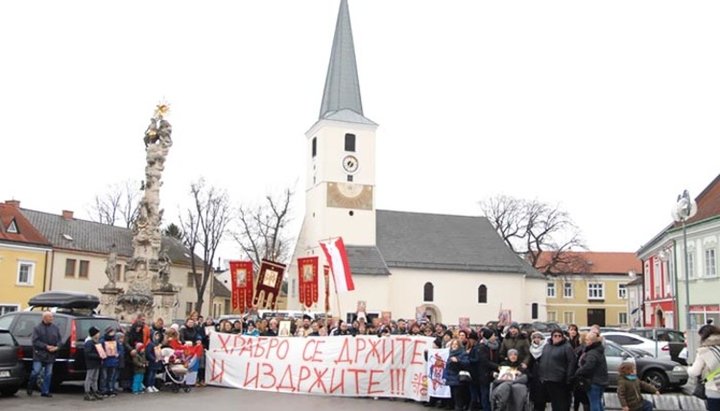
428, 292
26, 272
84, 269
710, 266
314, 147
622, 319
227, 307
70, 267
190, 280
691, 263
567, 290
596, 291
569, 317
12, 228
8, 308
656, 277
119, 275
482, 294
349, 178
622, 292
534, 309
552, 316
349, 142
551, 290
188, 309
292, 288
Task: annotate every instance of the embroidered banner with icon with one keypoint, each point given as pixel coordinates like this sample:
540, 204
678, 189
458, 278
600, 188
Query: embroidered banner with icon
241, 275
308, 280
268, 284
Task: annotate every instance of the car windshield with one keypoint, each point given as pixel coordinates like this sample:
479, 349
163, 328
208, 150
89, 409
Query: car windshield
84, 324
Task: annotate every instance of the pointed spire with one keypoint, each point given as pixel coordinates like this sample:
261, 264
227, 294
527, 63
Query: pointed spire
342, 88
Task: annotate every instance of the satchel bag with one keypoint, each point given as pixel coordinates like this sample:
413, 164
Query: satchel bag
714, 376
464, 376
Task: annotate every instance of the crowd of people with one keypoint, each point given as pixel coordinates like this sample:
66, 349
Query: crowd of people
486, 368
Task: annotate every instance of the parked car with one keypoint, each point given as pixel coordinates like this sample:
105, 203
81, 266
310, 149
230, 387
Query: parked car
74, 316
675, 338
12, 372
658, 349
663, 374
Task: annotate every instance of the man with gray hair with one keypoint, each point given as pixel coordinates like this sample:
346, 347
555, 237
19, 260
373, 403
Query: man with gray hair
46, 340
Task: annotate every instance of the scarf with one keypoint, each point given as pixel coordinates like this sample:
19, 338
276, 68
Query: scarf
537, 349
493, 345
631, 377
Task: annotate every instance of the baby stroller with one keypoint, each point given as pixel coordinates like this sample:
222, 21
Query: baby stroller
174, 371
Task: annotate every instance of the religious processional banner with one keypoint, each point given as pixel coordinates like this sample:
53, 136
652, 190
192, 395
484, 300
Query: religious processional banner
362, 366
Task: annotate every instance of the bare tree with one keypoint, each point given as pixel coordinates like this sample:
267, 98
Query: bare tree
119, 204
262, 229
539, 232
204, 226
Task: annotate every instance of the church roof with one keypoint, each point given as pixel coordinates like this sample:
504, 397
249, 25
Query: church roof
366, 260
445, 242
342, 87
89, 236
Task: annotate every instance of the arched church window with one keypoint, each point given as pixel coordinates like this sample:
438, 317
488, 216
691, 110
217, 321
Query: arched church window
482, 294
428, 292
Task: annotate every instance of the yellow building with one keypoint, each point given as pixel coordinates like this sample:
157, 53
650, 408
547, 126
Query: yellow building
591, 288
23, 259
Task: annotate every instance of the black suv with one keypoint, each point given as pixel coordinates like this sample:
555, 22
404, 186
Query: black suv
74, 316
12, 371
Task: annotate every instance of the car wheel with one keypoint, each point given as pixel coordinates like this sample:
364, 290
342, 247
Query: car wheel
657, 379
9, 391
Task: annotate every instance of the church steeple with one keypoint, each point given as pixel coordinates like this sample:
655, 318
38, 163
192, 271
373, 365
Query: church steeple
342, 88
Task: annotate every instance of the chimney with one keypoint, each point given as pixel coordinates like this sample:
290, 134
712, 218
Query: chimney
67, 215
13, 203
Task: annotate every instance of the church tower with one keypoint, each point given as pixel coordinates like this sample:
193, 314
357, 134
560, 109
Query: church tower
340, 178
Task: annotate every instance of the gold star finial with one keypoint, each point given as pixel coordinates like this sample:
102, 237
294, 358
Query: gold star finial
162, 109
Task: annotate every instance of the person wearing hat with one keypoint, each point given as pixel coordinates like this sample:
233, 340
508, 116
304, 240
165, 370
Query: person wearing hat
111, 363
139, 366
482, 364
517, 340
93, 361
537, 344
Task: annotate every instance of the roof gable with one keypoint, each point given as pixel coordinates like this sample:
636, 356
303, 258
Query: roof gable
708, 202
14, 227
445, 242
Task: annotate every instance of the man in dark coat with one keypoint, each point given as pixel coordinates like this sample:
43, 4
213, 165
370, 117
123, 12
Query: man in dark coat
514, 339
556, 367
481, 367
46, 340
593, 368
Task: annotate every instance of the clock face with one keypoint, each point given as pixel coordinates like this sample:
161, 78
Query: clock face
350, 164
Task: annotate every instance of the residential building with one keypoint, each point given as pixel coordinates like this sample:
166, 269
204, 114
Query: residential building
590, 288
635, 302
23, 258
79, 257
666, 288
221, 298
440, 266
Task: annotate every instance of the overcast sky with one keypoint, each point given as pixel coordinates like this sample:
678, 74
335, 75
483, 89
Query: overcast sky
608, 108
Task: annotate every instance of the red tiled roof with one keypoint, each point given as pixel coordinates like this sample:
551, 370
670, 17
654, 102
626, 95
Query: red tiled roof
708, 202
591, 262
26, 233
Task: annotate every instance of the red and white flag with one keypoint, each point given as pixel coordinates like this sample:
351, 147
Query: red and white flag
339, 264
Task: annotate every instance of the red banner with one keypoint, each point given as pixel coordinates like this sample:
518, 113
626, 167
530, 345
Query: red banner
308, 280
242, 279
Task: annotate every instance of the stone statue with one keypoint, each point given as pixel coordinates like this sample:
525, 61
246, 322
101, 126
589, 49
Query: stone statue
164, 271
111, 268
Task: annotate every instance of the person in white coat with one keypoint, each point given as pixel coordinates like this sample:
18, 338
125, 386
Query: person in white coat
707, 364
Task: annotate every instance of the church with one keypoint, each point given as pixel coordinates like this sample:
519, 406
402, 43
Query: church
451, 269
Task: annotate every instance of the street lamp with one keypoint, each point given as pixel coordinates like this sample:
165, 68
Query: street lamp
685, 209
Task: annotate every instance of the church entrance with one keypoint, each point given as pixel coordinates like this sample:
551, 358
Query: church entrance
432, 313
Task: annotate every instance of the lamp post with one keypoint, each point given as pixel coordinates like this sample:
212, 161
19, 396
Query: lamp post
684, 210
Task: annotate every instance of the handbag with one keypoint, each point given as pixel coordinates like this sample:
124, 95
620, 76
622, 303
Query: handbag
714, 376
464, 376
